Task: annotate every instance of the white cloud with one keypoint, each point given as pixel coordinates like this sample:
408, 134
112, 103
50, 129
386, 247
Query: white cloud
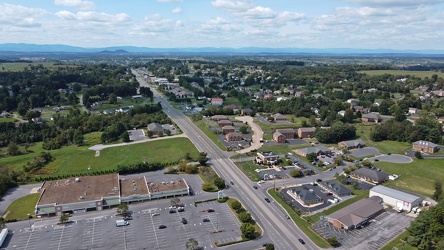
156, 23
232, 5
177, 10
218, 25
169, 1
290, 16
94, 17
20, 16
79, 4
396, 2
259, 12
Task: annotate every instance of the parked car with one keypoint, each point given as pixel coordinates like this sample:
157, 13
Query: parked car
210, 210
127, 218
206, 220
155, 214
162, 227
184, 221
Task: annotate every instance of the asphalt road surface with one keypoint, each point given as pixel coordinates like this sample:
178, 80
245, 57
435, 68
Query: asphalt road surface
281, 232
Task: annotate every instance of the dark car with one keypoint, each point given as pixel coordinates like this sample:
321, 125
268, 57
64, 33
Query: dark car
184, 221
232, 183
301, 241
210, 210
255, 187
376, 159
162, 227
389, 153
264, 244
206, 220
128, 218
267, 200
319, 180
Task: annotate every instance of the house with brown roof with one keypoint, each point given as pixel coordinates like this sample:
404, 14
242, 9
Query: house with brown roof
361, 109
287, 132
371, 118
233, 136
228, 129
318, 150
278, 137
425, 146
223, 123
219, 117
279, 118
234, 107
358, 143
306, 132
268, 97
355, 215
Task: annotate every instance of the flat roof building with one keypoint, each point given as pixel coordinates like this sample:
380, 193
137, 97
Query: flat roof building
398, 199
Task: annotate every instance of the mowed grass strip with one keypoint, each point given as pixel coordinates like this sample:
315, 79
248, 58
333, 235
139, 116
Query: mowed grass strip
207, 131
20, 208
301, 223
249, 169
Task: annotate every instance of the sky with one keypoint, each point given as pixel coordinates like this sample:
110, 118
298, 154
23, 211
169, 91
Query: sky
360, 24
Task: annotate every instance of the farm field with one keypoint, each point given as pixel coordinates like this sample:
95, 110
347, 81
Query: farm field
20, 66
421, 74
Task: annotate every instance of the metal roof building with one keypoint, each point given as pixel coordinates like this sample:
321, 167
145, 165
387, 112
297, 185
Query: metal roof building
396, 198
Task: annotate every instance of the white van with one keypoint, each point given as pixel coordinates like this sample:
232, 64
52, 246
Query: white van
120, 223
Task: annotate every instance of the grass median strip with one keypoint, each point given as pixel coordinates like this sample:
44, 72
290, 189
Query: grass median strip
301, 223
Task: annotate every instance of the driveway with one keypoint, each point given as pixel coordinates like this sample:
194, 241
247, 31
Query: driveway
257, 134
361, 152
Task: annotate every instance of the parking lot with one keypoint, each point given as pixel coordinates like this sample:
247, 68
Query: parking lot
143, 232
381, 230
136, 135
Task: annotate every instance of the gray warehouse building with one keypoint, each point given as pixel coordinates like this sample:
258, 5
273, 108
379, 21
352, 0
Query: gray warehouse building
396, 198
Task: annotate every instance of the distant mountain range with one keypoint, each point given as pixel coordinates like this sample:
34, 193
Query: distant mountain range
60, 48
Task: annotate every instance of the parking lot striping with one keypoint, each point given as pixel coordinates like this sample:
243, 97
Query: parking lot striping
154, 230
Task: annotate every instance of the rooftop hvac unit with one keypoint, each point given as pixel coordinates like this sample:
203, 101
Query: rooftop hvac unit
77, 179
135, 189
81, 197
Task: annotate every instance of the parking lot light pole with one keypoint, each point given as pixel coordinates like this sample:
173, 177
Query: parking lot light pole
29, 220
217, 222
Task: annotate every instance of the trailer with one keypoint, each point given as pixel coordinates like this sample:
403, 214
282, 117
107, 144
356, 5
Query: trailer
3, 235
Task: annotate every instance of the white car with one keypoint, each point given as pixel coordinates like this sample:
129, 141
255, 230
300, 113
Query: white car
155, 214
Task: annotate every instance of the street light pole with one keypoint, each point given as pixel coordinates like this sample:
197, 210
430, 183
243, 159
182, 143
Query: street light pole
217, 222
29, 220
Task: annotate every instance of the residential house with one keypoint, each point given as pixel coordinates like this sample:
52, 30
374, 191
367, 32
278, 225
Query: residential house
223, 123
217, 101
278, 137
259, 95
234, 107
358, 143
228, 129
268, 97
299, 94
341, 113
267, 158
279, 118
413, 111
438, 93
361, 109
336, 188
233, 136
425, 146
219, 117
371, 118
306, 132
355, 215
318, 150
306, 195
370, 175
246, 111
155, 128
281, 98
287, 132
37, 120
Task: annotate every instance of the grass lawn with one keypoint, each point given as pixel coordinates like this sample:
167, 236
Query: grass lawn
248, 168
9, 119
396, 242
417, 176
383, 146
73, 159
301, 223
232, 100
282, 148
20, 208
207, 131
421, 74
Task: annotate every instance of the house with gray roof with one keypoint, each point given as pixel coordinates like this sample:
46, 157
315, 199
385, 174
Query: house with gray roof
371, 118
358, 143
318, 150
425, 146
370, 175
306, 195
396, 198
356, 214
336, 188
155, 128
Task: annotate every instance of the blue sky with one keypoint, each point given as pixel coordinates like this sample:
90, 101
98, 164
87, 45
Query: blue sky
372, 24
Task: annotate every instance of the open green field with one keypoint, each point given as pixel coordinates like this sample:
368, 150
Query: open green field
282, 148
421, 74
18, 66
417, 176
363, 131
248, 168
73, 159
20, 208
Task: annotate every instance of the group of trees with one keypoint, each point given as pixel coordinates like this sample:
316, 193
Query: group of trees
338, 132
427, 231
